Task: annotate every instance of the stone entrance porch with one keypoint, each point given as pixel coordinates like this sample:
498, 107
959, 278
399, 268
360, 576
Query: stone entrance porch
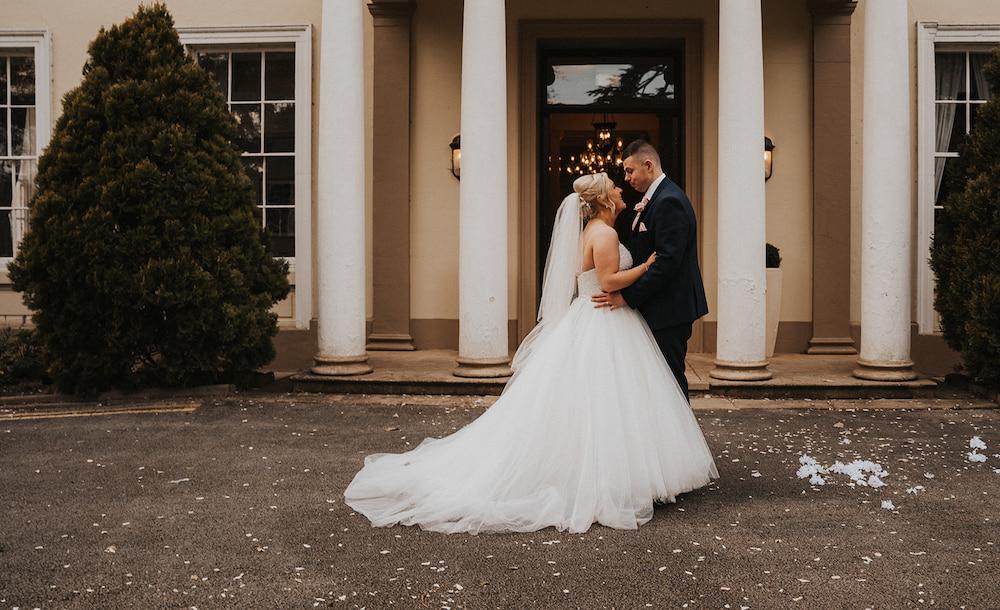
794, 376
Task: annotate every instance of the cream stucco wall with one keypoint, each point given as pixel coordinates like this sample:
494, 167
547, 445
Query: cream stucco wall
436, 103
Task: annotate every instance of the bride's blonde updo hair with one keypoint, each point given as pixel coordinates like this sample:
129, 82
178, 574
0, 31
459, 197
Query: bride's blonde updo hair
594, 191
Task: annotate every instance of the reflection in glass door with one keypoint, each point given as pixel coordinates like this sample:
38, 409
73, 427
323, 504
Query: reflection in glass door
594, 103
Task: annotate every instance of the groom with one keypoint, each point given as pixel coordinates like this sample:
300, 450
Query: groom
670, 296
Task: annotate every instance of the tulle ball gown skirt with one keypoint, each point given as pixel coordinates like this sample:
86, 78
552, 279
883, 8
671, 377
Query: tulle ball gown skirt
591, 429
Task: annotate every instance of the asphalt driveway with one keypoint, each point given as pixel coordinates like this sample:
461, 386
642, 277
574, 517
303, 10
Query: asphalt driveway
239, 504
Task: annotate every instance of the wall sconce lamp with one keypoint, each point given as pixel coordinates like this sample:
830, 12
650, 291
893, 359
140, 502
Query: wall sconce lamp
768, 151
456, 156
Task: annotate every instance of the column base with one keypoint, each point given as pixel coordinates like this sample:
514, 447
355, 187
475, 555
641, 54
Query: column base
831, 345
390, 342
898, 370
740, 371
482, 368
341, 365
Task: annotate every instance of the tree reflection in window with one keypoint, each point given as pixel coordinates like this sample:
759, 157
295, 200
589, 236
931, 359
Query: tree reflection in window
633, 84
638, 82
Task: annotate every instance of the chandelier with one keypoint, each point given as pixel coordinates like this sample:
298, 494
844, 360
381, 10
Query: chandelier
602, 153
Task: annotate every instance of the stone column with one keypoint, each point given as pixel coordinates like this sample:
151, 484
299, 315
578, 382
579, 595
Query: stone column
832, 177
340, 214
886, 196
740, 354
391, 183
482, 260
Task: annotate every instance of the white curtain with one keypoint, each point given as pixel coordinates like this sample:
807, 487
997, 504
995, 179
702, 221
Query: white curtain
23, 178
978, 63
950, 70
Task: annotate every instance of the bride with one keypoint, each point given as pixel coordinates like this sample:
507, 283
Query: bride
592, 427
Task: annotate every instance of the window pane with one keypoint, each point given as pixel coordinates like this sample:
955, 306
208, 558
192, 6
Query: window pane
23, 182
950, 127
6, 239
980, 86
247, 127
6, 183
217, 66
279, 76
246, 76
22, 80
950, 68
3, 80
254, 167
22, 133
632, 83
281, 224
280, 180
279, 128
3, 132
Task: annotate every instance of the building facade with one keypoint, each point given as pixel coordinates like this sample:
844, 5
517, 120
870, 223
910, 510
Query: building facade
409, 165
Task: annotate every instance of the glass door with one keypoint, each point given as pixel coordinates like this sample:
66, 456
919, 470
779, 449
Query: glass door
593, 103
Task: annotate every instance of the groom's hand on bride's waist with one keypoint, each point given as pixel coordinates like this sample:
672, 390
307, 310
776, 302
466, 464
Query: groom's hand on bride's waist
611, 300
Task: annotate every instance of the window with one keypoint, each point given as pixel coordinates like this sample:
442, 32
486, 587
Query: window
18, 155
259, 87
952, 88
265, 75
960, 89
24, 131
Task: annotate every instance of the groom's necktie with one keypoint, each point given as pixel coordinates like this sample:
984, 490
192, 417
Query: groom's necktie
639, 207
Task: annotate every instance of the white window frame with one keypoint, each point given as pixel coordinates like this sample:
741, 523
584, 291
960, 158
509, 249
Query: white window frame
300, 37
931, 35
40, 43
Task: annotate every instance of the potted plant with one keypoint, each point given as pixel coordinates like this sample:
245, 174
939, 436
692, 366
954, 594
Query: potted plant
773, 296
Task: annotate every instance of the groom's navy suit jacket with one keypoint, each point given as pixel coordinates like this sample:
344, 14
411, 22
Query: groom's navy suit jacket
671, 293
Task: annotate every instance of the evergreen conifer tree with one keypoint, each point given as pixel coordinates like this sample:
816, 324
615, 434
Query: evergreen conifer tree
145, 262
965, 254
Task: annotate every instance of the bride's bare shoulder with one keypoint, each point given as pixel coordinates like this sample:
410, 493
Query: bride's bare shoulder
602, 236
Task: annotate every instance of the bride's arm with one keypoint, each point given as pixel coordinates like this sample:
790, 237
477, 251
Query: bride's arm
606, 261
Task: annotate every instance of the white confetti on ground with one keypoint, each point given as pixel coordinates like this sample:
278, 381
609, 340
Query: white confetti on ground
888, 505
974, 456
811, 469
976, 443
865, 473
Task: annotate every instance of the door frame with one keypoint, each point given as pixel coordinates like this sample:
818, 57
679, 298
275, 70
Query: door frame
614, 34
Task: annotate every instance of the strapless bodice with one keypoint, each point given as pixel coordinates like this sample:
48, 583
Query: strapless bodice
586, 282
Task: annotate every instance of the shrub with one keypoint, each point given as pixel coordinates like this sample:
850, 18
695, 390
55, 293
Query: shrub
21, 358
965, 254
145, 262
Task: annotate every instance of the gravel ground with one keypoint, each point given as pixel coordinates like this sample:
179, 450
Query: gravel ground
239, 504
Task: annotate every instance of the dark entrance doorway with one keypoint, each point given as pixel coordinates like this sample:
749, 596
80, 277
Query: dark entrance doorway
593, 102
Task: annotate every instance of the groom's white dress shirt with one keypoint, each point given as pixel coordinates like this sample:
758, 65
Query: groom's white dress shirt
652, 187
645, 199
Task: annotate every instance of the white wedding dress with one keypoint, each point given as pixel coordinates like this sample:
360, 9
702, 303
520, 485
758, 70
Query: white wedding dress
591, 428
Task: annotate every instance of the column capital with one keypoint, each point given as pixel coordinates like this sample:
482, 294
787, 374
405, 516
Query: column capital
391, 8
831, 8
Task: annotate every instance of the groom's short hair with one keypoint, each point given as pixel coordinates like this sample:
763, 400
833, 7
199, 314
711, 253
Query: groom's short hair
642, 150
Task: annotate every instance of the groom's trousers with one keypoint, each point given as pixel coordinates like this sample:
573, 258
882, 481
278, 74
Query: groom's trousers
673, 341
